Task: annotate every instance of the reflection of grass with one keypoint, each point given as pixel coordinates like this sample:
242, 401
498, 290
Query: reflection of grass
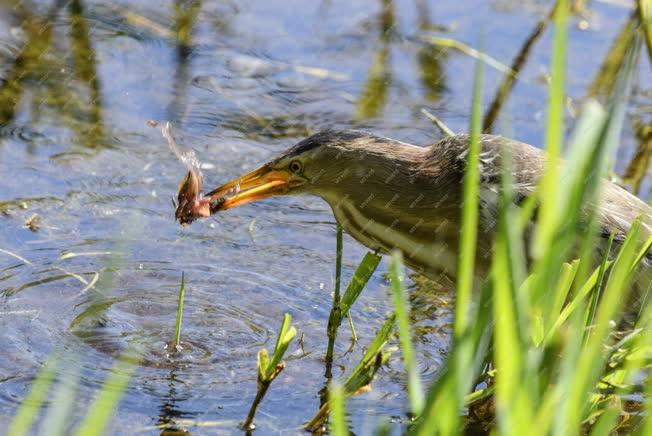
375, 89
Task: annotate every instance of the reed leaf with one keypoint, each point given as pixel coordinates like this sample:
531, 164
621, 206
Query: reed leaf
401, 306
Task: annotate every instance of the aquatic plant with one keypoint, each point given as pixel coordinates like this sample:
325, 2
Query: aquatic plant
270, 368
545, 346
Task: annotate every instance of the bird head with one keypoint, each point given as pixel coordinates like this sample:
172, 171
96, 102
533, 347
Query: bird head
317, 165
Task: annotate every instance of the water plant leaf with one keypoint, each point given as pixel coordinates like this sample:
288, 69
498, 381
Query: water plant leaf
176, 341
338, 415
361, 276
285, 336
363, 373
401, 307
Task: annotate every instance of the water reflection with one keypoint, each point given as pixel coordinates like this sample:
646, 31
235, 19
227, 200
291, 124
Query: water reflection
170, 408
374, 94
186, 12
31, 57
85, 67
430, 58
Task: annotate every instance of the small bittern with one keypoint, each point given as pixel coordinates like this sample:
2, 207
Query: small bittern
391, 195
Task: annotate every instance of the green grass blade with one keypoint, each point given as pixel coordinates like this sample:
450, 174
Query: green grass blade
362, 274
107, 399
438, 123
602, 271
401, 305
466, 259
513, 399
31, 404
439, 416
479, 55
549, 212
285, 336
567, 276
592, 358
357, 378
590, 284
177, 330
338, 415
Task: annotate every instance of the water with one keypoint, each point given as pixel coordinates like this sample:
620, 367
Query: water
240, 82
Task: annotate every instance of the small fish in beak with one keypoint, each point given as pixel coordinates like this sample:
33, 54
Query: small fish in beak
191, 202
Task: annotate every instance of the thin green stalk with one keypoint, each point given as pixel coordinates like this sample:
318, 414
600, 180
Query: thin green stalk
335, 316
338, 414
177, 330
595, 296
401, 305
438, 123
466, 260
338, 263
549, 212
590, 360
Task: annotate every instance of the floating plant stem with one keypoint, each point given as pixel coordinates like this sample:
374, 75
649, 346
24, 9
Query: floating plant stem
176, 341
269, 369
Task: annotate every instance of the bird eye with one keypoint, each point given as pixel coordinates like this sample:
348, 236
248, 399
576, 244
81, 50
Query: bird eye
296, 167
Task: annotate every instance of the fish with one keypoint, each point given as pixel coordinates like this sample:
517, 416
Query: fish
191, 204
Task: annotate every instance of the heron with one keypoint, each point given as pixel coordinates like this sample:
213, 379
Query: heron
392, 195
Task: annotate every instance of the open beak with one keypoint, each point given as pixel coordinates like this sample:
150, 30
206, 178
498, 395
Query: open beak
258, 184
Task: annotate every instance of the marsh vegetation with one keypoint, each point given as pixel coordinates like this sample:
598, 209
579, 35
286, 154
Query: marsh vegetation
94, 271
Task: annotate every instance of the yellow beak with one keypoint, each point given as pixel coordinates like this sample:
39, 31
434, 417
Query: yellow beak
258, 184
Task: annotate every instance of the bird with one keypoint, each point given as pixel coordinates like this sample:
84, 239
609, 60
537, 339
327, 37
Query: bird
392, 195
